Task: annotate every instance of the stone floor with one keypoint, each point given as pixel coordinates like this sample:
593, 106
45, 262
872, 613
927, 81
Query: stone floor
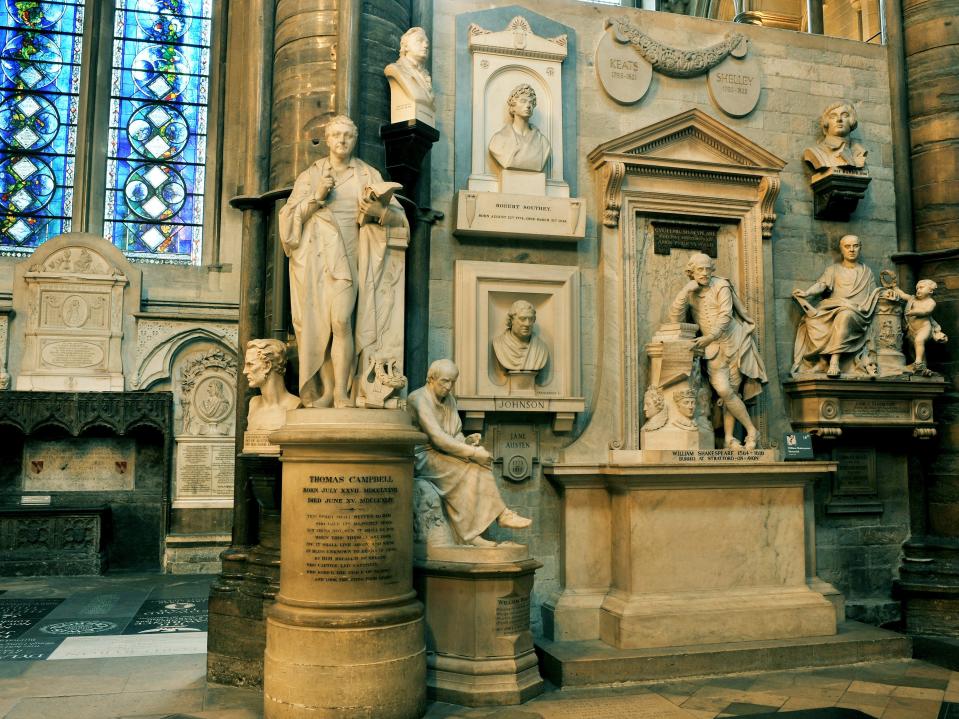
133, 646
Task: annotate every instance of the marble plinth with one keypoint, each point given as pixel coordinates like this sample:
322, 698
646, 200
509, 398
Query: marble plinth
661, 555
345, 635
478, 629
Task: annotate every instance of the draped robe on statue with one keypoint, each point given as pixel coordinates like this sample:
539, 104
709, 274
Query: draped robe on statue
331, 254
469, 490
515, 354
520, 152
841, 322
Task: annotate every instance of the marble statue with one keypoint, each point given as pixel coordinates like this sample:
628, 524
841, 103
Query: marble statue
264, 366
411, 88
457, 466
837, 332
335, 230
519, 145
518, 349
920, 326
728, 342
835, 149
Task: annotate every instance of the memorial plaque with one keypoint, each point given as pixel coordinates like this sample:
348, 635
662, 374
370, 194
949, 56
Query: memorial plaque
71, 354
698, 237
517, 447
623, 73
876, 408
204, 468
79, 465
512, 614
856, 475
735, 85
496, 214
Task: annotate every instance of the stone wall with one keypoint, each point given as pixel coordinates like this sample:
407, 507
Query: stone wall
801, 75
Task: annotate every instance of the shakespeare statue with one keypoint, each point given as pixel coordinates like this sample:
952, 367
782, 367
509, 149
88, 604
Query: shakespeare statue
519, 145
835, 149
834, 337
411, 88
338, 228
518, 349
457, 466
264, 366
727, 338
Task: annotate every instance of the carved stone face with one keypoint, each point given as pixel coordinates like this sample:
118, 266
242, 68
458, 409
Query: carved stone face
687, 406
522, 324
923, 290
652, 405
341, 140
255, 368
417, 47
442, 383
702, 273
850, 247
839, 121
522, 106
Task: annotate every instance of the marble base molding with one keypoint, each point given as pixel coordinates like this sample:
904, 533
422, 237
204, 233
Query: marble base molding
478, 626
345, 635
662, 555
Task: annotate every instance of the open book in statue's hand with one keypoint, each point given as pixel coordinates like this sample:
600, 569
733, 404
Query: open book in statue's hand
379, 194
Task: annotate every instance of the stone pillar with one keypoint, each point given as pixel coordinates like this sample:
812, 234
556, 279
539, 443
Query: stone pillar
345, 637
929, 578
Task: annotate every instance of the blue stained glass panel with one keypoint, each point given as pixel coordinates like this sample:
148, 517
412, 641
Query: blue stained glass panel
40, 53
157, 143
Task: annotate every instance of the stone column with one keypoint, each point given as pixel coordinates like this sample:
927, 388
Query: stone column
345, 637
929, 578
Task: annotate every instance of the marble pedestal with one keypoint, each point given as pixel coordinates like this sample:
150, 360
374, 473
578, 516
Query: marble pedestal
668, 555
480, 647
344, 637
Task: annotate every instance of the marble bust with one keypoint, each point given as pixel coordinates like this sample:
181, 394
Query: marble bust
411, 87
518, 349
457, 466
264, 366
519, 145
835, 148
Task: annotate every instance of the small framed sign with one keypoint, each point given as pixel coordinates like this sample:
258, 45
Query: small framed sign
797, 446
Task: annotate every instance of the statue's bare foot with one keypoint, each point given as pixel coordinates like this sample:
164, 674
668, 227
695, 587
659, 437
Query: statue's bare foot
751, 440
342, 400
833, 370
479, 541
512, 520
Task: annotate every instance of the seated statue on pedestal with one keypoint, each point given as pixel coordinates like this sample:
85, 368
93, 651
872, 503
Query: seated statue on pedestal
519, 145
837, 332
728, 343
457, 467
518, 349
264, 366
835, 149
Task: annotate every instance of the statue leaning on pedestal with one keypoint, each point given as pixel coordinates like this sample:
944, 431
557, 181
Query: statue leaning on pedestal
518, 349
457, 467
519, 145
264, 366
728, 343
835, 149
334, 228
835, 336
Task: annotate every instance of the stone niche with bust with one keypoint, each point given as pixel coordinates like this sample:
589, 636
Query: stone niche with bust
519, 142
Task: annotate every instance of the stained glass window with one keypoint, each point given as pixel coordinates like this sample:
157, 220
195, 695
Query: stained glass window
157, 144
40, 63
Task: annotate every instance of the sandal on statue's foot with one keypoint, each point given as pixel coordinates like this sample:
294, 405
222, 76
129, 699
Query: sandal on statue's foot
512, 520
733, 443
751, 441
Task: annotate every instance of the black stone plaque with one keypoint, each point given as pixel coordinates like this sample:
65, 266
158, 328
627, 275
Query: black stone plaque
167, 616
670, 234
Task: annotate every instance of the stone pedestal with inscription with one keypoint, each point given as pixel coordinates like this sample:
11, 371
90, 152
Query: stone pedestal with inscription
345, 635
478, 626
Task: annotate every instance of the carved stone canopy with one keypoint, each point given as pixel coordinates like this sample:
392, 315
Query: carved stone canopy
691, 146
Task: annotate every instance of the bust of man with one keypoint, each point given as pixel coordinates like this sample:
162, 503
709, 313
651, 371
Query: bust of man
264, 365
835, 149
518, 349
519, 145
411, 87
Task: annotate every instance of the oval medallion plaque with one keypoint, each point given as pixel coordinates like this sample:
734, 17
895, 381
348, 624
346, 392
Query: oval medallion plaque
624, 75
72, 354
735, 85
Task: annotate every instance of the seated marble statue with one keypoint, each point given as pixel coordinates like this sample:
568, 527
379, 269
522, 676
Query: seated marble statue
519, 145
264, 365
835, 148
518, 349
457, 466
728, 342
838, 330
409, 71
